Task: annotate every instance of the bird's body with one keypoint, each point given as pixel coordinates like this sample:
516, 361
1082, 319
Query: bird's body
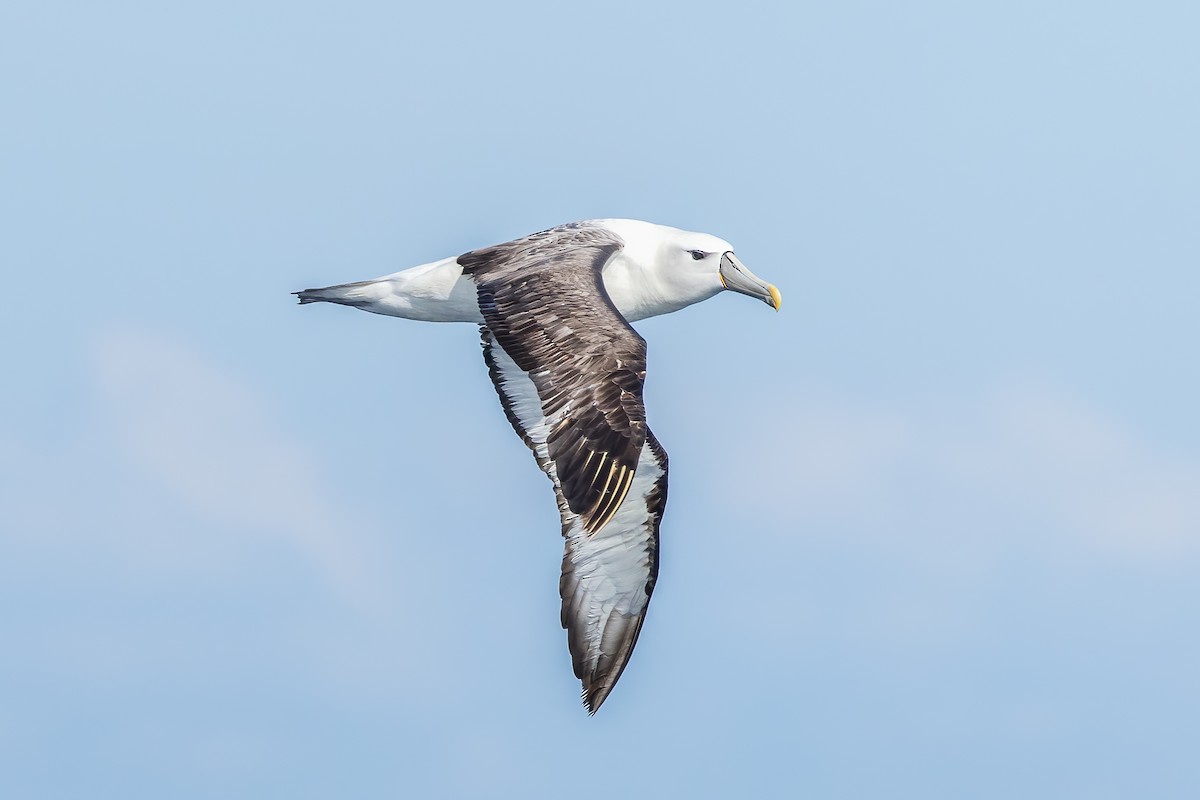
553, 310
440, 292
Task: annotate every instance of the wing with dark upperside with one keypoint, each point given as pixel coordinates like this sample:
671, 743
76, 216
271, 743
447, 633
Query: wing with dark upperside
543, 300
609, 575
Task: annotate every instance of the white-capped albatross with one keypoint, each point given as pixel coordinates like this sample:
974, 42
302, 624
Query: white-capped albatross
554, 310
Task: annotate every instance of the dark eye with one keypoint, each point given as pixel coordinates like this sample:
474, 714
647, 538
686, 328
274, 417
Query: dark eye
698, 254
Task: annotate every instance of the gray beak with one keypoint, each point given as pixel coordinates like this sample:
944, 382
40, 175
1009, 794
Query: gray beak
735, 277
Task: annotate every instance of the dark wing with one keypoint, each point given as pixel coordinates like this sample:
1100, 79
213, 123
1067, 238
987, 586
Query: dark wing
609, 575
543, 300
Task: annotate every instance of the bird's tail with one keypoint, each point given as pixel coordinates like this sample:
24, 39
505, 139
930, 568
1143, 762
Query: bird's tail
358, 293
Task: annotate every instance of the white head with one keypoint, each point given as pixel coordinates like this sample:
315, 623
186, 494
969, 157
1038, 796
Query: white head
662, 269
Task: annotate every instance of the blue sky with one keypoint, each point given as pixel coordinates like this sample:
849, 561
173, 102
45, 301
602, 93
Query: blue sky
934, 529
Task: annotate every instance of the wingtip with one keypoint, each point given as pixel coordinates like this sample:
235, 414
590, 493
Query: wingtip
592, 700
595, 693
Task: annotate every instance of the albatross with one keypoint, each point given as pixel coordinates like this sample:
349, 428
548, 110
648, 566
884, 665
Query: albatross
554, 312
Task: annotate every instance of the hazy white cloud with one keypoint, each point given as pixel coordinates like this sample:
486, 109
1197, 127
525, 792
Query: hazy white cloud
1096, 477
214, 446
1021, 463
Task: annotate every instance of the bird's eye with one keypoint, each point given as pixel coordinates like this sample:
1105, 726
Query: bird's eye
698, 254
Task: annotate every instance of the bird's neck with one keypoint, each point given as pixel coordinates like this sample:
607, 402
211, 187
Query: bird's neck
639, 292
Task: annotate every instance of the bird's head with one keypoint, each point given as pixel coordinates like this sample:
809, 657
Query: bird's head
703, 258
685, 267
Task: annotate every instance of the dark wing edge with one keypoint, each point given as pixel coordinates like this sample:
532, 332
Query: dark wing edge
543, 300
607, 575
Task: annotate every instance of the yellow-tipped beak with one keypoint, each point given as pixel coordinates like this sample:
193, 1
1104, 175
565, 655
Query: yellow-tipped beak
736, 278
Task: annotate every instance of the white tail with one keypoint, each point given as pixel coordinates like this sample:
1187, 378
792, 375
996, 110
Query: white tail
434, 292
359, 293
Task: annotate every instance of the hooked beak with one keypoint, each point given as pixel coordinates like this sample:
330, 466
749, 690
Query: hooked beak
735, 277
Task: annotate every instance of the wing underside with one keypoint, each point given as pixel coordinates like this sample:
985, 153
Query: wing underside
607, 575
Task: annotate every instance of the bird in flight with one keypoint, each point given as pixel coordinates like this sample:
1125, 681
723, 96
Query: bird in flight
553, 311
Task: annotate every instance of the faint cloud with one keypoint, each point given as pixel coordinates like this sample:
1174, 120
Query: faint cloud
214, 445
1096, 477
1024, 462
835, 447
